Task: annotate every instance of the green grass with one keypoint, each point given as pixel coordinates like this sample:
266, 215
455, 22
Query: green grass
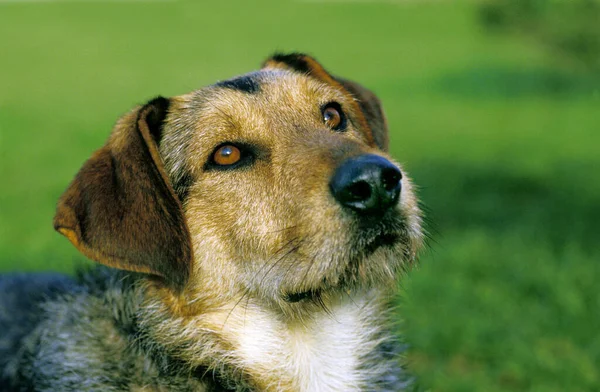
503, 141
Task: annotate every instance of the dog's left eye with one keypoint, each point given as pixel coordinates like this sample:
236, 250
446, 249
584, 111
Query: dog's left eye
333, 116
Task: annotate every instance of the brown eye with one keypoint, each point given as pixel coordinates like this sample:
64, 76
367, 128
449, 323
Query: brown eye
333, 116
227, 155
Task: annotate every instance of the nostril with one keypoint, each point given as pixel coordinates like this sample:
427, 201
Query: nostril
359, 191
390, 178
368, 184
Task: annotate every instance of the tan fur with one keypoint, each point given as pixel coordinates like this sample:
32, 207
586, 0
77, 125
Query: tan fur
262, 232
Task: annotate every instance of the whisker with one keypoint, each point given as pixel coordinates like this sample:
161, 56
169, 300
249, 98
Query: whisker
246, 293
318, 299
289, 268
273, 257
280, 230
293, 249
312, 262
352, 300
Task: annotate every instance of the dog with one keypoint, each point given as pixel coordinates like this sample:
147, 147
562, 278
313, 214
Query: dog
252, 234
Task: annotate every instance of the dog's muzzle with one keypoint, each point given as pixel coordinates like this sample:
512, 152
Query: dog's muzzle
368, 184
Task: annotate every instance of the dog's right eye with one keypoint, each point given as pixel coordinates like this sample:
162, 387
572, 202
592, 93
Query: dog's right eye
227, 155
231, 155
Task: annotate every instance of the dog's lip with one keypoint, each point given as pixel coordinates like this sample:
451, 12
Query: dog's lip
381, 240
297, 297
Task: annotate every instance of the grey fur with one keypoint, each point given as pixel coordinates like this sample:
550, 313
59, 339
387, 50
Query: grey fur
62, 334
82, 334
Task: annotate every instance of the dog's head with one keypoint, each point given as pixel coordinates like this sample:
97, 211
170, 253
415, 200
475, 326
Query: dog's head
276, 184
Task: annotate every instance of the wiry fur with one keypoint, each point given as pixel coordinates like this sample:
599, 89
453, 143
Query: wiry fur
218, 253
85, 337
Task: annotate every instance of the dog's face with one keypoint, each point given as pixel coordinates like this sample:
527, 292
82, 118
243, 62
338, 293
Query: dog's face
275, 184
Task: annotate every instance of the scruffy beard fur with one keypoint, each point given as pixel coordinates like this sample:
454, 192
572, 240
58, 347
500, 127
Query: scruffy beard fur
253, 277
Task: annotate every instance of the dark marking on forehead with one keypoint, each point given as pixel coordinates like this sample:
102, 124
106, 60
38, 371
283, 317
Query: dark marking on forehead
246, 83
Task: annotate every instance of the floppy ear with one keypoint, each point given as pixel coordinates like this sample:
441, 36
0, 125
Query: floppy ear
121, 210
368, 103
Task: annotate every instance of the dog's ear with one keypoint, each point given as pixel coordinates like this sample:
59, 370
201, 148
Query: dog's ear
121, 209
367, 102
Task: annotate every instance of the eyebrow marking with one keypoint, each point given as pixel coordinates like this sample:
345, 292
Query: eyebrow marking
246, 83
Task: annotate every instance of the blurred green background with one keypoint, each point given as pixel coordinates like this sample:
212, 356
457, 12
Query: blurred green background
490, 111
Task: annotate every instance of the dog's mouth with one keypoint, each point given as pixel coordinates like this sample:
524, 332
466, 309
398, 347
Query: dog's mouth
306, 295
384, 240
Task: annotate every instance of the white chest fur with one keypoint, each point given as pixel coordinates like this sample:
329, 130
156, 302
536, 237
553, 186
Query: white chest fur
321, 354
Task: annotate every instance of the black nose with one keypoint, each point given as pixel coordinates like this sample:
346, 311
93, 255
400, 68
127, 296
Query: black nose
368, 184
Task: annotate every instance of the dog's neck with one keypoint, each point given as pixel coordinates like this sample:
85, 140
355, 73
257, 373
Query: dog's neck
335, 349
323, 352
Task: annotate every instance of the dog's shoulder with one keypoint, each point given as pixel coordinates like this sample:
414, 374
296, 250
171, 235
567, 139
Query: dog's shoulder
39, 314
21, 310
20, 299
73, 333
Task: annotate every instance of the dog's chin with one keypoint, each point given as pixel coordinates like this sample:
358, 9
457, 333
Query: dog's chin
350, 279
